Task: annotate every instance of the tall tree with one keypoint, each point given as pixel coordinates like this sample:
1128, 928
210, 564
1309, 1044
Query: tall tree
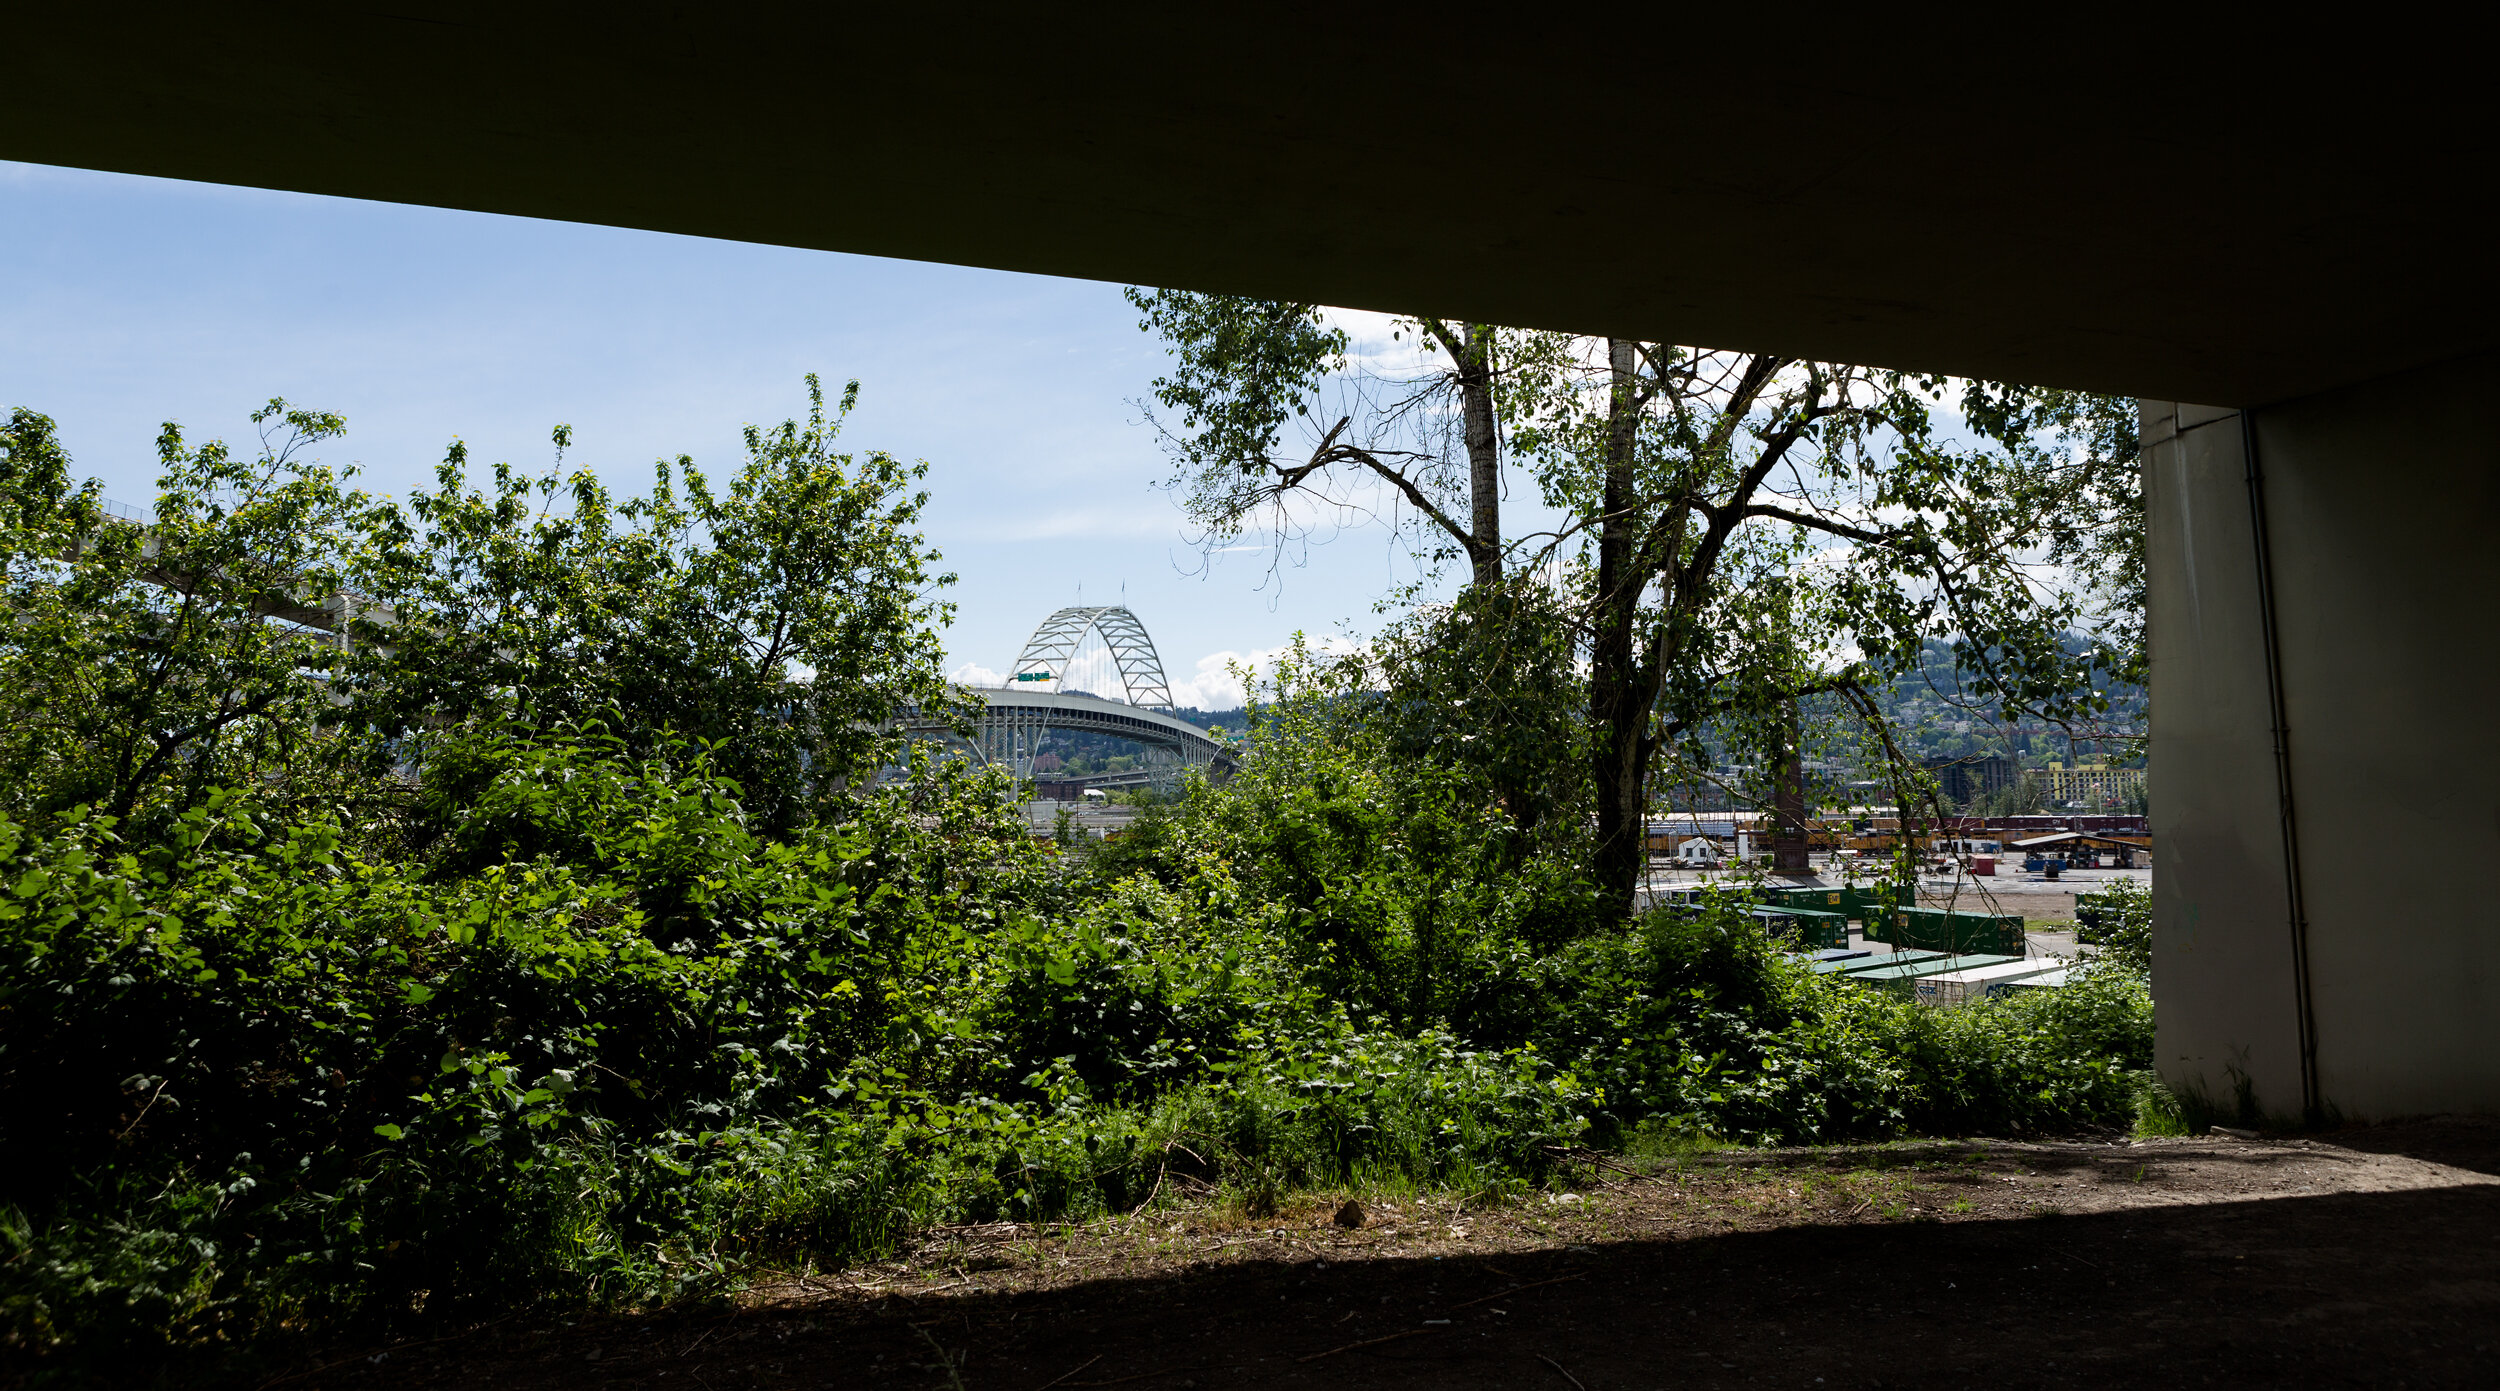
1753, 529
1244, 369
786, 617
1742, 530
2098, 531
265, 627
147, 660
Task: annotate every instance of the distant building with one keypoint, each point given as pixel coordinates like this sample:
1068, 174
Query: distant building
1965, 778
2019, 827
2091, 782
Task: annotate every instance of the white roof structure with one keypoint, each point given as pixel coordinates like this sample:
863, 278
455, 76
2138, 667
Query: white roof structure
2069, 837
1959, 987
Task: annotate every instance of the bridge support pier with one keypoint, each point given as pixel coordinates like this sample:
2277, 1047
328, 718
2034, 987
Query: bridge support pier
2325, 821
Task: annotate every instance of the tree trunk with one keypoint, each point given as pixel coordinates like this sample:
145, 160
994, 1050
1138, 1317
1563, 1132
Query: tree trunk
1789, 845
1484, 461
1618, 702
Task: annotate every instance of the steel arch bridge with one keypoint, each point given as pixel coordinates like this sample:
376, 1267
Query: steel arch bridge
1053, 645
1017, 715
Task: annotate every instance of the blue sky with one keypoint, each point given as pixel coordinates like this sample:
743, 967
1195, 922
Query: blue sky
125, 302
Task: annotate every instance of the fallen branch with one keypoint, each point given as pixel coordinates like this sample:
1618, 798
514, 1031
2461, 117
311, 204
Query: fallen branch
1141, 1376
1595, 1160
1558, 1368
1503, 1294
992, 1231
1072, 1371
1367, 1342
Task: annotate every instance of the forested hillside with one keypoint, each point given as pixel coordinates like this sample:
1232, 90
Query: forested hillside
1938, 716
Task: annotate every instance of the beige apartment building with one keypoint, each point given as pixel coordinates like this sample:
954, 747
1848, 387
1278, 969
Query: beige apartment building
2090, 782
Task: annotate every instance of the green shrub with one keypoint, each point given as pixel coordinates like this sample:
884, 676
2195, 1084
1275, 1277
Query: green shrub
2123, 926
635, 990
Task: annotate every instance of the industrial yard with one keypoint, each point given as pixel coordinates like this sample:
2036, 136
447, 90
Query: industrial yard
2045, 904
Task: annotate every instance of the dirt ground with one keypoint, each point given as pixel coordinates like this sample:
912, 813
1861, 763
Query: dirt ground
2037, 906
2367, 1257
2041, 902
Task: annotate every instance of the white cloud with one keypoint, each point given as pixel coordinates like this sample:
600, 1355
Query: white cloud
1156, 518
1215, 685
1386, 344
1212, 687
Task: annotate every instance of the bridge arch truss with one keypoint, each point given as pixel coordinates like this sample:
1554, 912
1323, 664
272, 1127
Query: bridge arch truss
1054, 644
1017, 716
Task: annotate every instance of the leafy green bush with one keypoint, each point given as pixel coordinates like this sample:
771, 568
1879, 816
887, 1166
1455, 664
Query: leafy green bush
485, 975
2122, 925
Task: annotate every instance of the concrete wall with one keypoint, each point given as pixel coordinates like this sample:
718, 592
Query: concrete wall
2379, 505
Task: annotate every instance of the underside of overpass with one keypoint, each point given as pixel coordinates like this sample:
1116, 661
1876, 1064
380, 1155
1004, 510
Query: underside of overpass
2288, 225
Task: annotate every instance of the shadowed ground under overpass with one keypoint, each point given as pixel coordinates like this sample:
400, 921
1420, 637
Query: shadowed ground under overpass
2171, 1262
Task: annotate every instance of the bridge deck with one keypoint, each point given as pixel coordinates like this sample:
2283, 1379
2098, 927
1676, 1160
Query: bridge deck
1075, 712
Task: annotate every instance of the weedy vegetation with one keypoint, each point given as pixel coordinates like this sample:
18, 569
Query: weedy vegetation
526, 932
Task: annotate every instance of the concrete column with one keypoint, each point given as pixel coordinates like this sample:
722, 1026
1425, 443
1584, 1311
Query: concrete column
2227, 1015
2378, 507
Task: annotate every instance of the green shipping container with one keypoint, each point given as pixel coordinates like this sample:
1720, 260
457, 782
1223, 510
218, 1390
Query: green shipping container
1954, 930
1811, 899
1778, 924
1820, 930
1872, 903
